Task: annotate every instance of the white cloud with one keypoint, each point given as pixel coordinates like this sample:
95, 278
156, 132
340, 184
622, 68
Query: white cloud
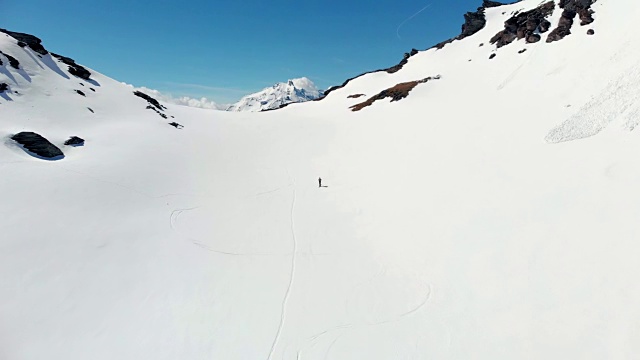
202, 103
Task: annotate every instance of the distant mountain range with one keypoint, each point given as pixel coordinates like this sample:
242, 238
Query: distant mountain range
293, 91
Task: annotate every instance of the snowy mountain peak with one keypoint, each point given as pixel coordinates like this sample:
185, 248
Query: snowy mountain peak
294, 90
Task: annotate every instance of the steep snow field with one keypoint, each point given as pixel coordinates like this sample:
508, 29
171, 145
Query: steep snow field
492, 214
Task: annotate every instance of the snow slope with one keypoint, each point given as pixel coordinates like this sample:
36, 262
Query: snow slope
491, 214
293, 91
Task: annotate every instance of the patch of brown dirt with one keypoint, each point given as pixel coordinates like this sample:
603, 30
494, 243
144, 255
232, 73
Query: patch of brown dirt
355, 96
396, 93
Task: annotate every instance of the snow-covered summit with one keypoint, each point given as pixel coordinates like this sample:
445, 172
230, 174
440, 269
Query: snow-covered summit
293, 91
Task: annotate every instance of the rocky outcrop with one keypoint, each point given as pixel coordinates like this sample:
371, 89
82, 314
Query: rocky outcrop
152, 102
27, 40
403, 62
396, 93
38, 145
176, 125
4, 87
74, 141
80, 93
581, 8
525, 25
355, 96
74, 69
12, 61
473, 22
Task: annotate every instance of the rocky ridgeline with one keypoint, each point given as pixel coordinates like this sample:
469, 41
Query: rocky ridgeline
25, 40
527, 25
581, 8
35, 44
473, 22
530, 24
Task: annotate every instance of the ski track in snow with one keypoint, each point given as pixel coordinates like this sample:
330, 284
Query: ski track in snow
287, 294
175, 214
333, 343
173, 219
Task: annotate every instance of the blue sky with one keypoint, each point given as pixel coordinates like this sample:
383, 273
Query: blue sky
226, 49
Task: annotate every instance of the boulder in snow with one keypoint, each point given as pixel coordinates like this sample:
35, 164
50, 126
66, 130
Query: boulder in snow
74, 141
38, 145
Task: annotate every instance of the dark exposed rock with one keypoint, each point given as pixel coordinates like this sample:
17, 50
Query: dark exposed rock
92, 89
403, 62
396, 93
29, 40
355, 96
74, 141
37, 145
473, 22
81, 84
74, 69
582, 8
153, 104
503, 38
590, 32
544, 26
157, 111
522, 51
12, 61
489, 4
492, 56
3, 87
523, 25
176, 125
80, 93
90, 109
150, 100
533, 38
22, 44
586, 16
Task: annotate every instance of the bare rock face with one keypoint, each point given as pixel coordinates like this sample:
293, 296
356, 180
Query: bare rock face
591, 32
27, 40
525, 25
4, 87
581, 8
37, 145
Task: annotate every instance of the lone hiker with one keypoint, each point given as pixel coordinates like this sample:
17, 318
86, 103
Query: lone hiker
319, 182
